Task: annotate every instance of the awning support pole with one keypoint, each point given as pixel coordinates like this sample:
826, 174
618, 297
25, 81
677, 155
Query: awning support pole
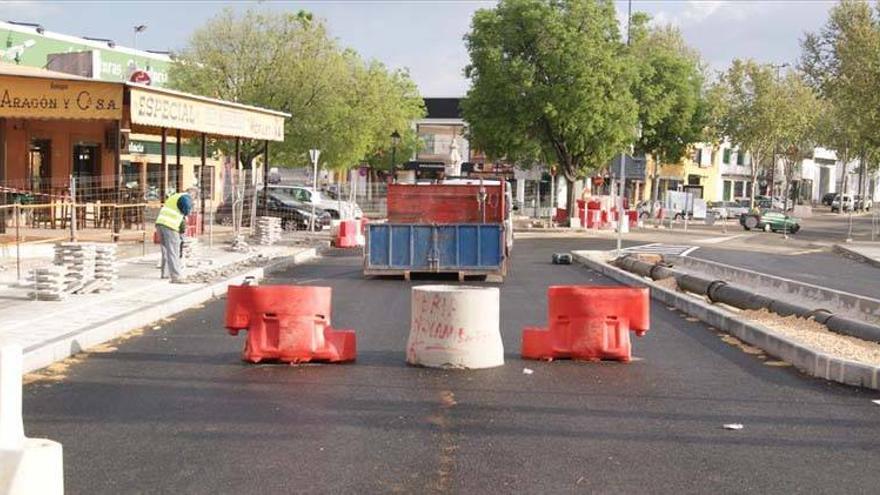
265, 176
163, 184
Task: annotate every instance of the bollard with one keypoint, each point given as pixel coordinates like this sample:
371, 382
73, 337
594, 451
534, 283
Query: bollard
27, 465
455, 326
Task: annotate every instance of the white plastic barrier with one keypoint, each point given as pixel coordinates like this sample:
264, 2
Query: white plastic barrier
27, 465
455, 327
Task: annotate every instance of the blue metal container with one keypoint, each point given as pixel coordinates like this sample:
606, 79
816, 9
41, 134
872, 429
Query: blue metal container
466, 249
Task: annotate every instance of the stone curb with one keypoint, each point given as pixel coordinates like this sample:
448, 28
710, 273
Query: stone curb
807, 360
850, 253
61, 347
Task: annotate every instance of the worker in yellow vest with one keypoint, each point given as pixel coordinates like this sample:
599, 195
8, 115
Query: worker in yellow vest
170, 223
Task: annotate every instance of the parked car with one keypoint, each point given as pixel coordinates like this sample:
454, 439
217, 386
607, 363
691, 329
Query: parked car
320, 199
843, 202
766, 203
768, 221
727, 209
294, 214
828, 198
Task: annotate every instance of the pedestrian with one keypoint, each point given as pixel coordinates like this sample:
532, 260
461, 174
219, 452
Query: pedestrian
170, 223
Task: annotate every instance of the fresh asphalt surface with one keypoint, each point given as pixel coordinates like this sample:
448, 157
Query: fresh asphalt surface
175, 411
824, 269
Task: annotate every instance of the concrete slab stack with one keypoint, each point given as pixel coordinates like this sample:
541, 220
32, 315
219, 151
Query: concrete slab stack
50, 283
268, 230
106, 269
79, 259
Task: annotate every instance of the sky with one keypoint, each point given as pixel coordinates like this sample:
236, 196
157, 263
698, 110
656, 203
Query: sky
425, 36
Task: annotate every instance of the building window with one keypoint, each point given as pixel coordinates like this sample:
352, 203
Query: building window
726, 157
748, 185
738, 187
698, 156
728, 190
740, 158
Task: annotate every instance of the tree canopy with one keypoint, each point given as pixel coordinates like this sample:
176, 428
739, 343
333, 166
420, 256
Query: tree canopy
339, 103
549, 78
669, 90
751, 119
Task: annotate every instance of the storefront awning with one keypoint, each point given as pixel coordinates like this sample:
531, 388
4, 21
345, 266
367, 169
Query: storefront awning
164, 108
31, 93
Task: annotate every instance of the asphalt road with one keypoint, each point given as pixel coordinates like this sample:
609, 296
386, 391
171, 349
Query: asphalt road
825, 269
175, 411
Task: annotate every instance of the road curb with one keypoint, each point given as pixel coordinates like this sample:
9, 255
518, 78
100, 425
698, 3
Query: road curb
61, 347
850, 253
805, 359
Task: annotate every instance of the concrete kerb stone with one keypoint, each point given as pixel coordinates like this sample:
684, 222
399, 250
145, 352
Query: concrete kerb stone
853, 254
61, 347
807, 360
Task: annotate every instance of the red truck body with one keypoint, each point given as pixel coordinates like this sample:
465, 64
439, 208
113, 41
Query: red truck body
445, 203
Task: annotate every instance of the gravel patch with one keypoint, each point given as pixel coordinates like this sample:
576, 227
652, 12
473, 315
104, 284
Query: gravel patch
816, 336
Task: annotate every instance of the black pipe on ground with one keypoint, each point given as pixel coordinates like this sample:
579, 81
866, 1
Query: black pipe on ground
854, 328
719, 291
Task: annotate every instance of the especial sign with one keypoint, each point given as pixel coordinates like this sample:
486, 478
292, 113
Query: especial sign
37, 98
159, 109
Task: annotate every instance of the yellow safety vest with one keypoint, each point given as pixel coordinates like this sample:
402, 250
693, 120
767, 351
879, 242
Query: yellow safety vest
170, 215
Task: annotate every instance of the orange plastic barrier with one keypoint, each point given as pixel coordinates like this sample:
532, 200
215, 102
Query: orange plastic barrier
347, 236
589, 323
287, 323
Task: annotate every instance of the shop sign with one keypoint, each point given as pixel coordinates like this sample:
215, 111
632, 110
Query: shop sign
179, 112
28, 97
136, 147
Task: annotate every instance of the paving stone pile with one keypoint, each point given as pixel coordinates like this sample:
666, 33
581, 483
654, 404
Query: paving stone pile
268, 230
106, 269
79, 260
50, 283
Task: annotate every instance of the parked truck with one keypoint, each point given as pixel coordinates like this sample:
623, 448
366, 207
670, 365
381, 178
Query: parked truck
460, 226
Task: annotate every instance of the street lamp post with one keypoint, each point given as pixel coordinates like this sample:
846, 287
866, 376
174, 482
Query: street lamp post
140, 28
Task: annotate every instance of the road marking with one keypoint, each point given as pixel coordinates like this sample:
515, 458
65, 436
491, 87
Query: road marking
807, 251
718, 240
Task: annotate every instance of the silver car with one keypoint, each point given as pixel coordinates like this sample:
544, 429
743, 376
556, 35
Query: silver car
727, 209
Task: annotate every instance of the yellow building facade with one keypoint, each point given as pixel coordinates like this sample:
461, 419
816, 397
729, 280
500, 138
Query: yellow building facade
700, 172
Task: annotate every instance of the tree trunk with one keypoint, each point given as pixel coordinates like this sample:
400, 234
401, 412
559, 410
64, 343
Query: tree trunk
756, 160
569, 198
655, 184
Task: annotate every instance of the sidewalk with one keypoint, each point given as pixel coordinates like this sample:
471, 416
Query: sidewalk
866, 252
53, 330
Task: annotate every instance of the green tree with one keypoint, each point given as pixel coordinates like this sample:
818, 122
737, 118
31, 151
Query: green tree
339, 103
549, 78
669, 90
799, 130
842, 62
751, 119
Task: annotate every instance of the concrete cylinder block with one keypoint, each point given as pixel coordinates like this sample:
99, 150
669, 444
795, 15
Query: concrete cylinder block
455, 326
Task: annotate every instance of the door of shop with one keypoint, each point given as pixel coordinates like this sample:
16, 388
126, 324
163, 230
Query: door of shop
39, 167
85, 169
